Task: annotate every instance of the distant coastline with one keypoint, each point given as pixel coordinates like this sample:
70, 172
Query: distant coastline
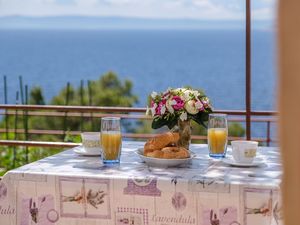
124, 23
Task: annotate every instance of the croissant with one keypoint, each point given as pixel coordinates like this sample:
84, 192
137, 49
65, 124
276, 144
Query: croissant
175, 153
169, 153
161, 141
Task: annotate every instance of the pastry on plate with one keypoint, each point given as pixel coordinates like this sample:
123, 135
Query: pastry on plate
161, 141
175, 153
164, 146
155, 154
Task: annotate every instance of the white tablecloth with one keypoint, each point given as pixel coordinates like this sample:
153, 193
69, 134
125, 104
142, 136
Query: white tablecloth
68, 189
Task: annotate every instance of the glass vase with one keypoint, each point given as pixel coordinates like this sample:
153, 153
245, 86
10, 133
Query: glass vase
185, 132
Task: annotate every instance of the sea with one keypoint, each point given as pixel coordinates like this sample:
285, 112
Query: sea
213, 60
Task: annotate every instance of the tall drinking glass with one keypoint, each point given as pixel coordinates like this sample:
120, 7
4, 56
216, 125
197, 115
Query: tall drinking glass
111, 140
217, 135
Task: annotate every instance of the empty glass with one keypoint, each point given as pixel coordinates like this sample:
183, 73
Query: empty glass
111, 140
217, 135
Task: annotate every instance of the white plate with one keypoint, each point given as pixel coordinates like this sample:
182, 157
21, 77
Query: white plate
232, 162
80, 150
156, 162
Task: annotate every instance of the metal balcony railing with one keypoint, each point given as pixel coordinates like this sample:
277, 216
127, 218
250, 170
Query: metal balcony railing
90, 112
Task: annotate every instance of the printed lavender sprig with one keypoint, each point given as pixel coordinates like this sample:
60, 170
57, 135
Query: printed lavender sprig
3, 190
34, 210
213, 218
94, 198
277, 213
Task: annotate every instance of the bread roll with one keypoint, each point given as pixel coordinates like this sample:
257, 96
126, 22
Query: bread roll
159, 147
161, 141
175, 153
155, 154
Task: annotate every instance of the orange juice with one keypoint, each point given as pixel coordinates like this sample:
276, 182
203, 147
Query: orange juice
217, 140
111, 144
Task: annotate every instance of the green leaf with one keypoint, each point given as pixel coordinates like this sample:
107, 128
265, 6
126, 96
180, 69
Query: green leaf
202, 117
172, 123
169, 121
158, 122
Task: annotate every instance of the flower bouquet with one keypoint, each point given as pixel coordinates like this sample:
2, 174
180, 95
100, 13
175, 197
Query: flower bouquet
177, 107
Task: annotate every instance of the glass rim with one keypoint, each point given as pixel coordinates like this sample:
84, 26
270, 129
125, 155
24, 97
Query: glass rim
89, 133
244, 142
110, 118
218, 114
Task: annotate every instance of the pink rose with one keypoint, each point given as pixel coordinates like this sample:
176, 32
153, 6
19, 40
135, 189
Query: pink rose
152, 103
199, 105
158, 109
179, 103
205, 102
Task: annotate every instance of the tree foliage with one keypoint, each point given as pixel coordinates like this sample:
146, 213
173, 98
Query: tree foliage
108, 90
36, 96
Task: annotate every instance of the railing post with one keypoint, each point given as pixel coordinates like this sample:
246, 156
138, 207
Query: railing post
248, 69
15, 130
90, 95
66, 112
268, 133
5, 102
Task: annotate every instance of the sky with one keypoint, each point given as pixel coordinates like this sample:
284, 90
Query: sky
192, 9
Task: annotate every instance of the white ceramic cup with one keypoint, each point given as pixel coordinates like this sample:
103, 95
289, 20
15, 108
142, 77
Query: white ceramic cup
244, 151
91, 142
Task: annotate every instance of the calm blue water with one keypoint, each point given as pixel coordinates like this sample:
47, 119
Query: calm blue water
213, 60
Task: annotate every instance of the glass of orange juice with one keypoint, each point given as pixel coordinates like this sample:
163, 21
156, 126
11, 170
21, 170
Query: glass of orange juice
111, 140
217, 134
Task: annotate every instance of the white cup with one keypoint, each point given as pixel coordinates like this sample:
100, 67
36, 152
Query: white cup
91, 142
244, 151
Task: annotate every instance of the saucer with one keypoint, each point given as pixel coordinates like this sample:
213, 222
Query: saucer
81, 151
230, 161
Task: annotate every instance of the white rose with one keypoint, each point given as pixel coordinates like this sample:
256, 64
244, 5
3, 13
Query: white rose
169, 104
191, 108
153, 95
186, 96
180, 89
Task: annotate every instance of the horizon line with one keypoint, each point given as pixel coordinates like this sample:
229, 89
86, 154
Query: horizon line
132, 17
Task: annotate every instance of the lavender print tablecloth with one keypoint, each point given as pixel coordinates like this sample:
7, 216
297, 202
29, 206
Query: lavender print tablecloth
68, 189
